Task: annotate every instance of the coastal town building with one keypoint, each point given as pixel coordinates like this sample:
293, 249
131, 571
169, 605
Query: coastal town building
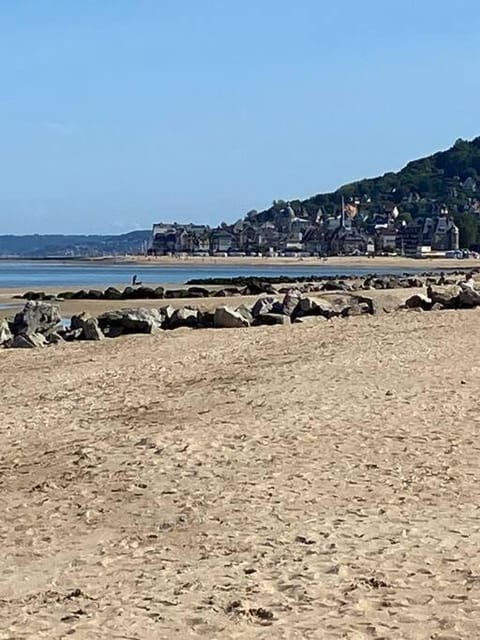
439, 234
294, 232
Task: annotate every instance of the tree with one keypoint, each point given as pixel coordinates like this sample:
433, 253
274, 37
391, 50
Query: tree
405, 216
468, 227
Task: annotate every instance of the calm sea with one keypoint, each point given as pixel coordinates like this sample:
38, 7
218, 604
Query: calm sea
36, 275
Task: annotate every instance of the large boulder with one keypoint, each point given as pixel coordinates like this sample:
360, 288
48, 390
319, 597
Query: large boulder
227, 318
316, 307
28, 341
89, 326
246, 311
176, 293
336, 285
265, 304
290, 302
198, 292
206, 319
145, 293
112, 293
166, 312
65, 295
80, 295
184, 317
255, 287
95, 294
383, 303
227, 292
34, 295
345, 305
36, 317
448, 297
273, 318
419, 301
131, 321
468, 298
5, 332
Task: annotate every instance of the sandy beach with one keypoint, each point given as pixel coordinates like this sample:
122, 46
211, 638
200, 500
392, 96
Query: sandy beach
283, 482
378, 262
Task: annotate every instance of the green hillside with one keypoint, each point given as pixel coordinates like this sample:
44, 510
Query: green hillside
448, 179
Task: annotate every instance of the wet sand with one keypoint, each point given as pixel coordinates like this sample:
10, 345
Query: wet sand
279, 482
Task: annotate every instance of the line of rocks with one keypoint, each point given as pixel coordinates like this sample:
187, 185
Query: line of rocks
438, 298
251, 286
40, 323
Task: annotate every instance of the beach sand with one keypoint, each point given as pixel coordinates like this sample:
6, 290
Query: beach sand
280, 482
347, 262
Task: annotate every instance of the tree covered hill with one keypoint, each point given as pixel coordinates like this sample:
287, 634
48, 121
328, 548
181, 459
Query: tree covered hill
38, 246
447, 180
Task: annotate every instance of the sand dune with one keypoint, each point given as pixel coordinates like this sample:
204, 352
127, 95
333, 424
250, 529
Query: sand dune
283, 482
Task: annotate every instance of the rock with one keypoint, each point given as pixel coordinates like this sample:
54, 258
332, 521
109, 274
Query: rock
72, 334
139, 320
273, 318
415, 283
290, 302
446, 296
356, 309
65, 295
227, 318
316, 307
383, 303
112, 293
198, 292
176, 293
28, 341
138, 293
88, 325
348, 305
34, 295
159, 293
5, 332
80, 295
54, 338
109, 332
206, 319
95, 294
419, 300
335, 285
468, 298
227, 292
128, 293
184, 317
387, 282
255, 287
246, 311
36, 317
144, 293
263, 305
167, 313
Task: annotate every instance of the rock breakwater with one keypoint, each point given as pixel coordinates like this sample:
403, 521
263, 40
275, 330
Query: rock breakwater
40, 324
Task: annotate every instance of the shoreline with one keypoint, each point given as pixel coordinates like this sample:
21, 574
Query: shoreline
395, 262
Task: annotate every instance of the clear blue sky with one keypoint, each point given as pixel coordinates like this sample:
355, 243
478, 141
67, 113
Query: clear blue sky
118, 113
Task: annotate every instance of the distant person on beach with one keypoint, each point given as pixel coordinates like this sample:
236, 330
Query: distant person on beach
135, 281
